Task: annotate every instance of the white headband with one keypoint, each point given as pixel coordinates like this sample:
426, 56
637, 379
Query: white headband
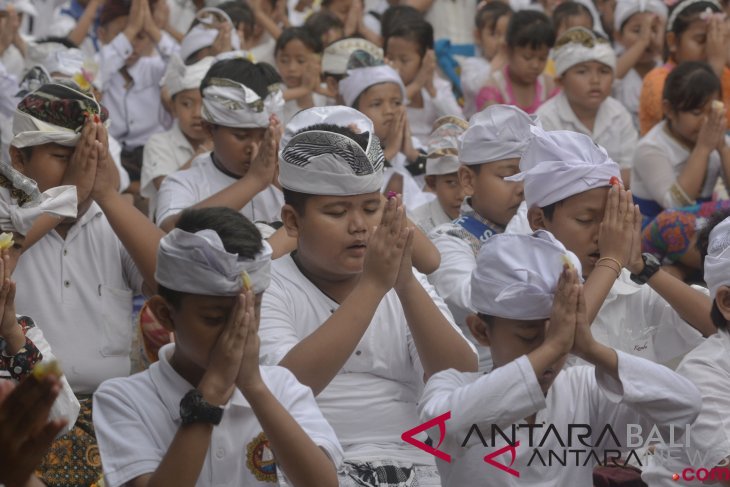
204, 34
360, 79
626, 8
560, 164
516, 275
572, 53
197, 263
326, 163
179, 77
717, 261
682, 6
232, 104
496, 133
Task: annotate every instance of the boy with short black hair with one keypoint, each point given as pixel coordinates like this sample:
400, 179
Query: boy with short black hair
527, 293
158, 427
345, 311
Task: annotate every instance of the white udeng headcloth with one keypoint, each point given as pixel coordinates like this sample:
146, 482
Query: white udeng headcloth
496, 133
587, 47
443, 145
337, 54
179, 77
516, 275
18, 214
560, 164
627, 8
325, 163
360, 79
232, 104
197, 263
717, 262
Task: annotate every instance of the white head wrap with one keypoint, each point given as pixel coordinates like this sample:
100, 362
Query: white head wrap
198, 263
360, 79
560, 164
18, 214
204, 34
585, 47
627, 8
595, 15
179, 77
337, 54
683, 5
232, 104
325, 163
516, 275
74, 64
496, 133
443, 145
717, 262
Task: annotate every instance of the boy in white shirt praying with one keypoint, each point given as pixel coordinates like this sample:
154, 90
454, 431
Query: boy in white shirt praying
489, 151
528, 296
573, 190
206, 414
241, 100
345, 312
584, 66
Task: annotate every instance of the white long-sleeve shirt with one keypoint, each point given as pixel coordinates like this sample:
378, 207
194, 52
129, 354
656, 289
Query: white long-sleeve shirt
444, 103
647, 394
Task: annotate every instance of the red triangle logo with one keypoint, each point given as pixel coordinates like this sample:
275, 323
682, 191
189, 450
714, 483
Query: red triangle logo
408, 436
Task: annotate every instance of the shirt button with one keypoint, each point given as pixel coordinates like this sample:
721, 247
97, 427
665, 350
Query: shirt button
220, 453
65, 251
67, 283
17, 370
358, 352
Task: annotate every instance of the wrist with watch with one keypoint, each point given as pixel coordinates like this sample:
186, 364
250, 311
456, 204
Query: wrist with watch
195, 409
651, 267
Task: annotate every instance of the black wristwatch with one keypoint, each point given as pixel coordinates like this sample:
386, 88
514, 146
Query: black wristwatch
651, 266
195, 409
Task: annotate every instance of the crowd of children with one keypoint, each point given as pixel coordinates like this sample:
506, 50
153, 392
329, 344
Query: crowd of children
374, 243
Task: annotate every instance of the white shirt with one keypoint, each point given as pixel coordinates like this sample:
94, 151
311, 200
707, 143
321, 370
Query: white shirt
475, 72
372, 399
413, 194
136, 112
263, 52
453, 19
421, 119
647, 394
79, 290
187, 188
708, 367
429, 216
613, 128
627, 91
291, 107
137, 417
182, 14
164, 153
659, 160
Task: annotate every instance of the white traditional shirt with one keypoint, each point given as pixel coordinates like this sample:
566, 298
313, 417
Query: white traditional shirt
444, 103
429, 216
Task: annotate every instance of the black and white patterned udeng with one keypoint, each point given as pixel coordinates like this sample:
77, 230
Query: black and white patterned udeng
307, 145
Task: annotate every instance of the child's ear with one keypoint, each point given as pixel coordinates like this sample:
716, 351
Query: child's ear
671, 40
723, 301
17, 159
431, 181
466, 178
162, 311
291, 220
478, 329
536, 218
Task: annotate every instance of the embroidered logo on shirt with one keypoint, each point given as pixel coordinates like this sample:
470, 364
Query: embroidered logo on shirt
260, 459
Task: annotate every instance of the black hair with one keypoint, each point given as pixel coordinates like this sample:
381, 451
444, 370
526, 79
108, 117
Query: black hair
489, 15
64, 41
298, 200
396, 15
302, 34
319, 23
415, 30
716, 316
238, 234
488, 319
569, 9
688, 15
240, 13
257, 76
549, 211
690, 86
703, 242
530, 28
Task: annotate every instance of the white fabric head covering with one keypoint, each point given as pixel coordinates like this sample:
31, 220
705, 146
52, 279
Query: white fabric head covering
204, 35
584, 46
595, 15
496, 133
560, 164
179, 77
443, 145
18, 214
337, 54
198, 263
232, 104
360, 79
516, 275
627, 8
717, 262
325, 163
74, 64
